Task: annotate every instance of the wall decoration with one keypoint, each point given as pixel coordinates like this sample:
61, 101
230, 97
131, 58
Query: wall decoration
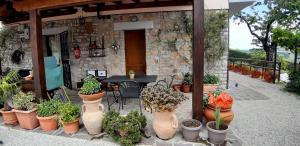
115, 46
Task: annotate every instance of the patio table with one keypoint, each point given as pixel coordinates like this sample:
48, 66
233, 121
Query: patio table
143, 80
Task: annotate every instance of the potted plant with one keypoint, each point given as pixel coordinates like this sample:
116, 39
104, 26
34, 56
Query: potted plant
187, 82
255, 74
221, 99
191, 129
211, 82
163, 102
217, 130
231, 66
246, 70
69, 117
47, 112
131, 74
25, 109
237, 68
8, 87
91, 89
126, 130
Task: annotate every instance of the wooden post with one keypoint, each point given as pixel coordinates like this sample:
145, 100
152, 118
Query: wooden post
37, 54
198, 58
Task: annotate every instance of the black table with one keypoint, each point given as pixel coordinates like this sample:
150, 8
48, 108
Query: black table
139, 79
117, 79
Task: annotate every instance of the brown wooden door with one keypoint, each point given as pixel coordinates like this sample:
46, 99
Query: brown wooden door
135, 51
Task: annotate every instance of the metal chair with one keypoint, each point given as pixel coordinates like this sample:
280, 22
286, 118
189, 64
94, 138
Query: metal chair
130, 89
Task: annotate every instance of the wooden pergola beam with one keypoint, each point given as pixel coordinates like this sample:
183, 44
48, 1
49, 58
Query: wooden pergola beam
37, 54
198, 58
27, 5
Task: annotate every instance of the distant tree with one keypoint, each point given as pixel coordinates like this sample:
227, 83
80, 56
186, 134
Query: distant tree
238, 54
260, 22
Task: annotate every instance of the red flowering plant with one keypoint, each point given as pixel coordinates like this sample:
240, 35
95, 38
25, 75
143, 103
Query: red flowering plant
218, 98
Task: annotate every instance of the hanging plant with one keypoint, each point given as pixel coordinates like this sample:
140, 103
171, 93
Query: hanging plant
17, 56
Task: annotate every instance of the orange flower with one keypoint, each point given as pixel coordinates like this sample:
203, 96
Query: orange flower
224, 100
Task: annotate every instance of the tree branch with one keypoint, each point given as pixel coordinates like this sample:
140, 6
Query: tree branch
251, 31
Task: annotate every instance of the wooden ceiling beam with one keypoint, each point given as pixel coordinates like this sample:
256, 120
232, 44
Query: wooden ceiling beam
27, 5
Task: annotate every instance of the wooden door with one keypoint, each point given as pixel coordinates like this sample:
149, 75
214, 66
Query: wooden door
135, 51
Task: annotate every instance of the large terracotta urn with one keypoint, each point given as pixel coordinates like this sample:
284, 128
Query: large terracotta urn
92, 115
165, 124
226, 114
92, 97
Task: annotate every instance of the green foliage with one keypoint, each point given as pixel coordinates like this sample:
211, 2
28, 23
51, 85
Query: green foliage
187, 79
211, 79
258, 55
218, 118
127, 130
238, 54
289, 10
24, 101
90, 86
286, 38
69, 112
284, 62
294, 82
214, 23
49, 108
160, 99
8, 86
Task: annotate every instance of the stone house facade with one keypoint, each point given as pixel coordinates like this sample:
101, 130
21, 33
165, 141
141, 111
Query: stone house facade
168, 46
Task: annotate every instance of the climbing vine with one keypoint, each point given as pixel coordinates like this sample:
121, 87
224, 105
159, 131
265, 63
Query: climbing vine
215, 22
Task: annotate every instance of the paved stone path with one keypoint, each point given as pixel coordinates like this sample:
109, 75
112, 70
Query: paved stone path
264, 114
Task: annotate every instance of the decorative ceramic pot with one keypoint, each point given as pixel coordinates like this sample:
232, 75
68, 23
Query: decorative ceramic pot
48, 123
27, 119
92, 116
92, 97
71, 127
216, 136
226, 114
209, 87
191, 129
165, 124
9, 117
131, 76
186, 88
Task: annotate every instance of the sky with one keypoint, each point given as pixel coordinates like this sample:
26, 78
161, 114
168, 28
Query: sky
239, 34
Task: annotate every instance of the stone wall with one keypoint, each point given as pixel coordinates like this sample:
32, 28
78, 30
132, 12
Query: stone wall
168, 46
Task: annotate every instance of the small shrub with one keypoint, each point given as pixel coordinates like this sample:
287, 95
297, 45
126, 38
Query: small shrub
211, 79
24, 101
69, 112
48, 108
187, 79
161, 99
127, 130
90, 86
294, 82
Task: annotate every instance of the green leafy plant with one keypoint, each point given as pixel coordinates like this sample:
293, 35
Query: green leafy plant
161, 99
127, 130
24, 101
131, 72
8, 87
294, 82
49, 108
211, 79
90, 86
68, 112
218, 118
187, 79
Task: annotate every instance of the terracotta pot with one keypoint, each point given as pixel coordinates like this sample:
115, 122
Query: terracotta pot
71, 127
92, 116
9, 117
210, 87
92, 97
48, 123
226, 114
191, 133
186, 88
165, 124
27, 119
216, 136
177, 87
